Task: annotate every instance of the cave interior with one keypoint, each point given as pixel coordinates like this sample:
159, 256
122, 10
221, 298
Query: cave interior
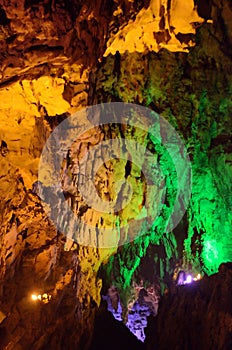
115, 174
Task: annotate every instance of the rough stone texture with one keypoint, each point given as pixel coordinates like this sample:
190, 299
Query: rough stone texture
187, 89
197, 316
33, 260
52, 65
41, 36
164, 24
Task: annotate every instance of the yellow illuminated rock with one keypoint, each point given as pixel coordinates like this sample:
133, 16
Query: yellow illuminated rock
48, 92
155, 28
21, 115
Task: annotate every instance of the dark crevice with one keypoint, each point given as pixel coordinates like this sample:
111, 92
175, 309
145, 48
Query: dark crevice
43, 48
3, 17
204, 8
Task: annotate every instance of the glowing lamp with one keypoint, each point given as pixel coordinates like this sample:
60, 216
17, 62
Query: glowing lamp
45, 298
189, 279
198, 277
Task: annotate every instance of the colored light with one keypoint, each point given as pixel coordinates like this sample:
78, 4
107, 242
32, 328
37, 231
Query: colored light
189, 279
45, 298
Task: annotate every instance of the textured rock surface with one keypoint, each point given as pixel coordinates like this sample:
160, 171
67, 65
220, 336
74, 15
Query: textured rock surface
52, 65
197, 316
164, 24
190, 94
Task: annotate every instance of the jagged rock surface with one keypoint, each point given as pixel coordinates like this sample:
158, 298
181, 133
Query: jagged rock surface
52, 65
197, 316
191, 96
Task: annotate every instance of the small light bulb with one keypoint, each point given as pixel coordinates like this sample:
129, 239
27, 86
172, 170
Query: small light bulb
189, 279
34, 297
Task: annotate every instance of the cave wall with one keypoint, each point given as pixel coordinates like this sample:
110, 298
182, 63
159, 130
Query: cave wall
58, 57
195, 317
193, 91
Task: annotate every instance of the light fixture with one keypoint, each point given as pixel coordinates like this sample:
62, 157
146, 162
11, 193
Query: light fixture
189, 279
198, 277
44, 298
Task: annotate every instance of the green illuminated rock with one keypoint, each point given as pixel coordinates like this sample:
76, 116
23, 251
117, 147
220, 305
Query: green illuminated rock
193, 92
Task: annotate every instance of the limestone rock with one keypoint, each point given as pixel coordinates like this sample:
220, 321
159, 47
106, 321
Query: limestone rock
197, 316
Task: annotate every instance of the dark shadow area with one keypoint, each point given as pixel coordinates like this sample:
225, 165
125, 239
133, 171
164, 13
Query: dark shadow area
112, 334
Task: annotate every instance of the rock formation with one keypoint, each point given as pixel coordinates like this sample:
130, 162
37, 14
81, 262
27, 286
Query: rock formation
197, 316
57, 57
